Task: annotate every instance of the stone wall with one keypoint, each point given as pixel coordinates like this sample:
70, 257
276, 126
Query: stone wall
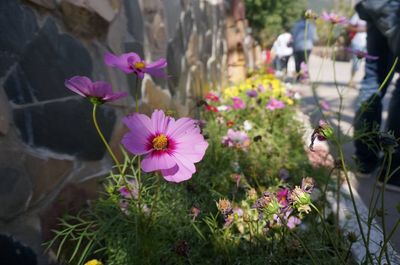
47, 139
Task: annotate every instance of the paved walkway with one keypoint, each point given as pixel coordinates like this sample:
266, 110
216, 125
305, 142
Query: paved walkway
327, 91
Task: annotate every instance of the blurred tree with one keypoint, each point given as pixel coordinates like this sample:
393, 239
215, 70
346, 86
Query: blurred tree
268, 18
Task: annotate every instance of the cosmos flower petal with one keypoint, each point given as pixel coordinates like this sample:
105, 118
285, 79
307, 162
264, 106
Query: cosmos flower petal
193, 152
157, 160
160, 63
101, 90
139, 124
181, 127
121, 62
160, 121
177, 174
79, 84
156, 72
135, 143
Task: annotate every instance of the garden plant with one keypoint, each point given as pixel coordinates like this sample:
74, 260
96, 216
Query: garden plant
233, 186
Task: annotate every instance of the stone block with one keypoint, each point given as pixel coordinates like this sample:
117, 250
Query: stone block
82, 20
15, 190
48, 60
65, 127
18, 27
134, 19
47, 175
172, 11
4, 115
49, 4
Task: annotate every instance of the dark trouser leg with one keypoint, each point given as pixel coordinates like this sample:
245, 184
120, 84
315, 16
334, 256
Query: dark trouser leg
298, 58
393, 126
367, 121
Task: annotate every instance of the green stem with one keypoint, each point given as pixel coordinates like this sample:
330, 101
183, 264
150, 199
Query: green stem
354, 202
117, 163
384, 249
391, 234
372, 206
155, 200
348, 252
329, 235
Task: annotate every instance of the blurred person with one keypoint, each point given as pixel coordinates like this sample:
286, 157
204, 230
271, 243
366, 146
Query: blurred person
383, 42
357, 30
282, 49
303, 42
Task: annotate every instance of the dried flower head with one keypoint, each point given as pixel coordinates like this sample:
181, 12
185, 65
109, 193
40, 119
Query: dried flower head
310, 14
307, 184
224, 206
323, 132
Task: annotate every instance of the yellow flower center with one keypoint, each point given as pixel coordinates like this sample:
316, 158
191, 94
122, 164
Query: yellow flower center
140, 65
160, 142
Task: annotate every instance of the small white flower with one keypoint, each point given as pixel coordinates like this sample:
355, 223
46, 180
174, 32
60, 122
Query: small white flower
222, 108
247, 125
297, 96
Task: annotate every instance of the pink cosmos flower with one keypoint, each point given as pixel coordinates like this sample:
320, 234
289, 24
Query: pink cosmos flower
274, 104
237, 139
282, 196
132, 63
98, 92
238, 103
361, 54
290, 220
169, 145
334, 18
130, 191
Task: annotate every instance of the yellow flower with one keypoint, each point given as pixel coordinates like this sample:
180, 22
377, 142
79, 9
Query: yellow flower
94, 262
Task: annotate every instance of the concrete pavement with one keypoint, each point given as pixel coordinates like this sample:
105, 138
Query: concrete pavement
327, 91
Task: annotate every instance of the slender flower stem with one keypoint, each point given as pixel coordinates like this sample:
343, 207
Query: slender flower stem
348, 252
329, 235
339, 149
372, 206
139, 171
155, 200
284, 222
384, 249
391, 234
117, 163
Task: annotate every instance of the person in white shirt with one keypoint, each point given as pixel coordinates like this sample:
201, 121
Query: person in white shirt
282, 49
357, 28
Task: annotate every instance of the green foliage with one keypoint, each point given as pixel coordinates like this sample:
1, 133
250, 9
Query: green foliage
269, 17
159, 226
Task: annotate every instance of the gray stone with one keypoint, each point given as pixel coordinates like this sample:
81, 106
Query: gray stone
4, 114
15, 191
65, 127
83, 21
47, 62
174, 55
134, 19
104, 8
172, 9
186, 28
17, 28
50, 4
